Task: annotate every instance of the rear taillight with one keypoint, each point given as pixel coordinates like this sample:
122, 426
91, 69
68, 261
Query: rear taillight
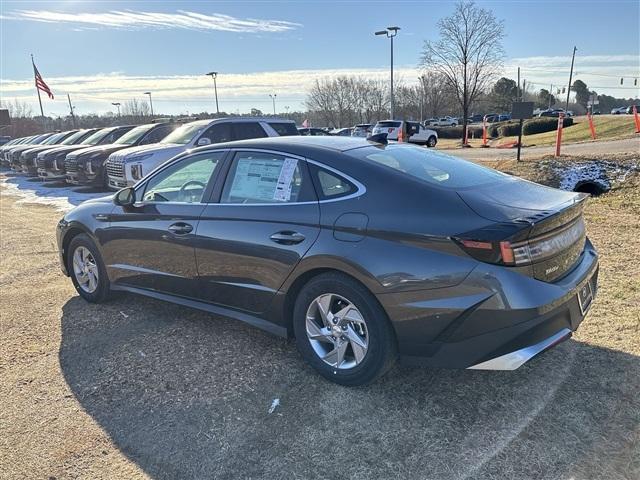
525, 252
501, 253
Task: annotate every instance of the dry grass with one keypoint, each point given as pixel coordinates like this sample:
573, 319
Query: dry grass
608, 127
138, 388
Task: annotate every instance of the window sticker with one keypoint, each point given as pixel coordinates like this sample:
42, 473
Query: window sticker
283, 188
264, 180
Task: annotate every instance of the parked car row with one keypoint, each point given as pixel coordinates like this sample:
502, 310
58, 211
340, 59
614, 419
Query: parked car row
625, 110
116, 157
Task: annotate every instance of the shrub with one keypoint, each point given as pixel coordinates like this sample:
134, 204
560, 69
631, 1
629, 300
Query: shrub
544, 124
456, 132
509, 129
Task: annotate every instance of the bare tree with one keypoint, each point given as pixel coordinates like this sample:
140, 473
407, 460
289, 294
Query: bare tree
468, 54
437, 95
19, 109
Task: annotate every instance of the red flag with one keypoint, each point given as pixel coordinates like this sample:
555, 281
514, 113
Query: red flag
40, 84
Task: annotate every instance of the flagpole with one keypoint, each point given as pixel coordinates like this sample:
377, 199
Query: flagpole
37, 89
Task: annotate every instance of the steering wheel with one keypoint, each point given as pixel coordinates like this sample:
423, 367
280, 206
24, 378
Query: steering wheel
183, 188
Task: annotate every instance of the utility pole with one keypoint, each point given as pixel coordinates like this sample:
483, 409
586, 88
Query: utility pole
550, 95
150, 102
214, 75
573, 57
390, 32
518, 97
71, 107
273, 98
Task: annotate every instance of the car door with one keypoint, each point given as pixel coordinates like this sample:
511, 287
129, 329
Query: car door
151, 244
265, 219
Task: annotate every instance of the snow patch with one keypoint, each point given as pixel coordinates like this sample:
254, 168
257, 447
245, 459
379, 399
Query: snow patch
274, 405
603, 173
33, 190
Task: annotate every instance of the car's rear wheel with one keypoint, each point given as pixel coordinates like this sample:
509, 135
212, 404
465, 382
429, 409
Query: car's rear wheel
87, 271
431, 142
342, 330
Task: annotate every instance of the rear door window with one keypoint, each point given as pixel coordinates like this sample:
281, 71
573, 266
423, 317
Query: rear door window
245, 130
331, 185
263, 177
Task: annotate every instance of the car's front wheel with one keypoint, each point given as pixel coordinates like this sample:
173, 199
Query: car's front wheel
87, 271
342, 330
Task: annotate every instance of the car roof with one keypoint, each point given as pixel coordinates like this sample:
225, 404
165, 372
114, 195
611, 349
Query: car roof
296, 144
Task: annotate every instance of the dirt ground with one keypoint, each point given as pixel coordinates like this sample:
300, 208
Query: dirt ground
138, 388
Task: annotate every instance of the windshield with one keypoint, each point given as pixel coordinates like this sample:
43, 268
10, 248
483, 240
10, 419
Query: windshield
39, 139
96, 137
132, 136
71, 139
53, 139
428, 165
184, 134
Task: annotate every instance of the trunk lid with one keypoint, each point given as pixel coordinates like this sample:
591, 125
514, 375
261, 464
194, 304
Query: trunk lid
543, 224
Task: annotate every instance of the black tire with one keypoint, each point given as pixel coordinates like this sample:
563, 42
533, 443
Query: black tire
382, 349
432, 141
103, 291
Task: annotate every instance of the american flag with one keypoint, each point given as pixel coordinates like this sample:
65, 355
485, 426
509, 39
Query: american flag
40, 84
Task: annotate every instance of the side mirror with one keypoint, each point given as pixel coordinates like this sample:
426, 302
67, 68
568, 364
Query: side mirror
204, 141
125, 197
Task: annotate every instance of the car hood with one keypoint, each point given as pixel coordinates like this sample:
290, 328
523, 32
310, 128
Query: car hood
167, 149
41, 148
67, 148
22, 148
515, 198
106, 150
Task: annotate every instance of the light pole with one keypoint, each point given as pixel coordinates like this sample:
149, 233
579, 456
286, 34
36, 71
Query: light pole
390, 32
214, 75
273, 98
422, 79
116, 104
286, 109
150, 102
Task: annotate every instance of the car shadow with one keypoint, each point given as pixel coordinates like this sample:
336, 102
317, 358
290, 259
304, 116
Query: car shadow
49, 192
186, 395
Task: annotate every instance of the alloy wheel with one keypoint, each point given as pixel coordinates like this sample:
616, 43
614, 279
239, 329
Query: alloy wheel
337, 331
85, 269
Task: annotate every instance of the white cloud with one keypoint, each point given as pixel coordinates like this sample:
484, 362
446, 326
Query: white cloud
179, 93
130, 19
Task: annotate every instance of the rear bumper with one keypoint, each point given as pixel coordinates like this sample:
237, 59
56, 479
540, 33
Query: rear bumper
495, 319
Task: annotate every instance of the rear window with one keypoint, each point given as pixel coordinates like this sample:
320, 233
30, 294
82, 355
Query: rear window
388, 124
284, 128
428, 165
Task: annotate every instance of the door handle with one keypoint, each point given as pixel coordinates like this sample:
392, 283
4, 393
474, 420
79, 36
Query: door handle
180, 228
287, 237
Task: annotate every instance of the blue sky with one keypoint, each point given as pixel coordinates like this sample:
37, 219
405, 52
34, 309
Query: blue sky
99, 56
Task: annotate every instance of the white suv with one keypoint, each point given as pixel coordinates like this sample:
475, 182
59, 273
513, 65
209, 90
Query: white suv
414, 132
445, 122
126, 167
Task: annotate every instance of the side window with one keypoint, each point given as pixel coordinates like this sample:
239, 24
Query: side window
284, 128
218, 133
244, 130
331, 184
183, 182
261, 177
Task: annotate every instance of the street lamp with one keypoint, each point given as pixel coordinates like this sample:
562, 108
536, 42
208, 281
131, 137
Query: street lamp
286, 109
214, 75
390, 32
150, 102
116, 104
273, 98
